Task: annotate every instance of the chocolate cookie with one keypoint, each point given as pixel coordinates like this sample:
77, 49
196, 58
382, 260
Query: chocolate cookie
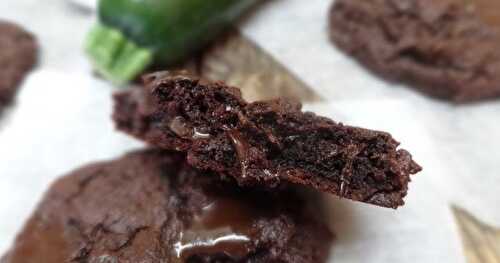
149, 206
18, 53
264, 142
446, 48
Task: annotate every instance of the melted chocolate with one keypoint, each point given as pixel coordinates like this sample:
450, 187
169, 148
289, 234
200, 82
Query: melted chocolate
183, 129
241, 146
200, 135
343, 188
224, 227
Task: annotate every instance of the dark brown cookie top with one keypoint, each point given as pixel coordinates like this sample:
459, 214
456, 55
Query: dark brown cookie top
149, 206
18, 54
265, 142
447, 49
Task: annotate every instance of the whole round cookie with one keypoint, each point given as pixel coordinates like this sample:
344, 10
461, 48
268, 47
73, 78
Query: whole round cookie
447, 49
18, 54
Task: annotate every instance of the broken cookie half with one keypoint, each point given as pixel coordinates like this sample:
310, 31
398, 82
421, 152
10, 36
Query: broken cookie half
266, 141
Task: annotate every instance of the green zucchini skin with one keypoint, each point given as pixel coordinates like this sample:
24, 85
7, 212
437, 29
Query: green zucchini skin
171, 29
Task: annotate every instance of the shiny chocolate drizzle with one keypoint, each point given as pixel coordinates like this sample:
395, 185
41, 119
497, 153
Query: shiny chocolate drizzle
241, 146
183, 129
198, 134
224, 227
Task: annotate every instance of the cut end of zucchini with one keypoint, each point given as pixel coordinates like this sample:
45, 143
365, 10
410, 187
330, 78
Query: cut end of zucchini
114, 56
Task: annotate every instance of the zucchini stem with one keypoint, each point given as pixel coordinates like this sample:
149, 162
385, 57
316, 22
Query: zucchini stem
114, 56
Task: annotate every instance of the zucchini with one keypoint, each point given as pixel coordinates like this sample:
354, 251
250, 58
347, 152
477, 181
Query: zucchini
131, 35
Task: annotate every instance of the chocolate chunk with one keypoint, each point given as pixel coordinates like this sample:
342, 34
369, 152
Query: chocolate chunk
18, 52
226, 224
446, 49
150, 206
265, 142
